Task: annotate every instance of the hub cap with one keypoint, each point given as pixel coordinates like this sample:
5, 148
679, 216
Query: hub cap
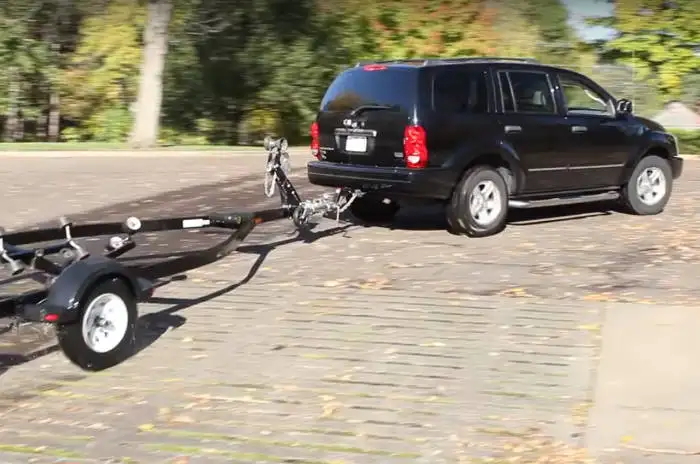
105, 322
485, 203
651, 186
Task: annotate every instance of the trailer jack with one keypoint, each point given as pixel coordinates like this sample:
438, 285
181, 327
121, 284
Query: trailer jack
93, 299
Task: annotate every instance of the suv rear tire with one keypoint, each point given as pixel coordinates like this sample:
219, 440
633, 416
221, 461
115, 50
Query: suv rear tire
373, 209
479, 204
649, 188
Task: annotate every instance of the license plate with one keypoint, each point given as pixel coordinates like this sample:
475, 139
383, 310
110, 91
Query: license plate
356, 144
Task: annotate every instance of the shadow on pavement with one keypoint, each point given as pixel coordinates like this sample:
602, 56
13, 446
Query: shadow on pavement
563, 213
221, 196
26, 343
226, 195
154, 325
425, 218
236, 193
8, 361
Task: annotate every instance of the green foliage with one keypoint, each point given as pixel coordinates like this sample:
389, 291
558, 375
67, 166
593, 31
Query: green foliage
658, 38
101, 78
691, 91
110, 124
22, 57
622, 82
259, 122
551, 18
688, 141
72, 134
236, 71
230, 63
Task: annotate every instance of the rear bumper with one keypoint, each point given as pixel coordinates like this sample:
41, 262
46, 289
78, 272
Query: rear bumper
676, 166
428, 183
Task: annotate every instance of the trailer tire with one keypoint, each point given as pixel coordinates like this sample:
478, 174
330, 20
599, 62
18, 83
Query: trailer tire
92, 347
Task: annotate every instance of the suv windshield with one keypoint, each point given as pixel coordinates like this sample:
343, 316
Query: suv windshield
395, 87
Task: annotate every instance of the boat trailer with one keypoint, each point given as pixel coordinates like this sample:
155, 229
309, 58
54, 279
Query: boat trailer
92, 300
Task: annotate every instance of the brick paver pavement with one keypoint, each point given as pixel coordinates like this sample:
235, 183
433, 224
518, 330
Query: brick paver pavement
350, 344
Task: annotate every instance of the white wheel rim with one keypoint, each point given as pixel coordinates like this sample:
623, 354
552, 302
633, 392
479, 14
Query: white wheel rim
485, 203
105, 322
651, 186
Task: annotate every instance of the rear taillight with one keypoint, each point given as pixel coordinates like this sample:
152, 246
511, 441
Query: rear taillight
415, 148
315, 143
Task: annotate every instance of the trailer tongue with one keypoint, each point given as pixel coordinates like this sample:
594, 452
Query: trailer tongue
93, 299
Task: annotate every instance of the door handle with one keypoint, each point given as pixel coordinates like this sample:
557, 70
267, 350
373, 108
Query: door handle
513, 129
579, 129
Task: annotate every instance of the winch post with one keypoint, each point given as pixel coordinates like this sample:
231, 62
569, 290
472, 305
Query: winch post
276, 149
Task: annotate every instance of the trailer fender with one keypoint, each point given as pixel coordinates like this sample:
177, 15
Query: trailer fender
64, 298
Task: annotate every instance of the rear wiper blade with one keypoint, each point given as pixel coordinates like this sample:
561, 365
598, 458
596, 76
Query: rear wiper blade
362, 108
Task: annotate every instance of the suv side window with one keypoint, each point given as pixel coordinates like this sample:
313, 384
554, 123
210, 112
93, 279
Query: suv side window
526, 92
581, 99
458, 91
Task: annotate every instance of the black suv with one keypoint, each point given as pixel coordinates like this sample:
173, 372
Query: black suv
483, 134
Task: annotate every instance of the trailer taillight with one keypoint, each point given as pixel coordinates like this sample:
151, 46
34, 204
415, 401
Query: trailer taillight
415, 148
315, 142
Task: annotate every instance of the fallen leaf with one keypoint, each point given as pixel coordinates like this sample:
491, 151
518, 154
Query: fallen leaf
146, 427
330, 409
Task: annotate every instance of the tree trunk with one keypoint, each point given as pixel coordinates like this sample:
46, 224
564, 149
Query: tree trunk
12, 116
150, 95
54, 127
41, 130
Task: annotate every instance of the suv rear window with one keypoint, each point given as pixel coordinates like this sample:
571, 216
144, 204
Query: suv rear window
356, 87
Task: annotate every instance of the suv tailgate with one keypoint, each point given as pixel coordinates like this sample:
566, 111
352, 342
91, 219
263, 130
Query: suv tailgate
364, 113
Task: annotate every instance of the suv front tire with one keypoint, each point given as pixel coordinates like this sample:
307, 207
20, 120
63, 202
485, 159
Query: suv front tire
479, 204
649, 188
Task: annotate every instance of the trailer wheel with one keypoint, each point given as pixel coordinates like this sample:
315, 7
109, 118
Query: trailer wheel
105, 334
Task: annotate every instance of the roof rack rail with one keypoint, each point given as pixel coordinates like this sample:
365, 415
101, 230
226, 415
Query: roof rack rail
466, 59
459, 59
396, 61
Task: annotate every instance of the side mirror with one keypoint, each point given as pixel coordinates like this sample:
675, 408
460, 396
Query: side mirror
624, 106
